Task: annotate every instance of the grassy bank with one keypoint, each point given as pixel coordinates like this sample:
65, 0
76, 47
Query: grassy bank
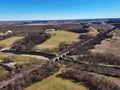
8, 42
18, 58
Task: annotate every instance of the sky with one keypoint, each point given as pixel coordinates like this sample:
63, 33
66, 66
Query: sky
58, 9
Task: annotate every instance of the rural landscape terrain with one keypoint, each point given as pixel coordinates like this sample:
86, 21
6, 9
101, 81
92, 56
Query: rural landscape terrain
60, 55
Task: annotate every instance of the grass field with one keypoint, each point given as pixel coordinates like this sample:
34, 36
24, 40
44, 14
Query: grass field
108, 47
93, 31
18, 58
117, 31
3, 72
58, 37
8, 42
55, 83
114, 79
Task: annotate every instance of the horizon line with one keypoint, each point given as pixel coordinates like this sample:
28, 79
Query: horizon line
57, 19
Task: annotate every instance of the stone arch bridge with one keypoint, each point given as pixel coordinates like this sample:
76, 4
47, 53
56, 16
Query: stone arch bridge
58, 58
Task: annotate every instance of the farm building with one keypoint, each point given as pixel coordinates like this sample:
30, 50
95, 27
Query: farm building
8, 32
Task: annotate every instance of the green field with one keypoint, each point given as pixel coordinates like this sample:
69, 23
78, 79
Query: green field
18, 58
8, 42
56, 83
58, 37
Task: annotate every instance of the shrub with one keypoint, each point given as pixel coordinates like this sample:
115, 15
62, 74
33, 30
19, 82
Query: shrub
91, 81
28, 43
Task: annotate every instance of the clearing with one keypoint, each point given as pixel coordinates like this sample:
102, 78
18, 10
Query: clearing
19, 58
114, 79
93, 31
3, 73
108, 47
56, 83
8, 42
57, 37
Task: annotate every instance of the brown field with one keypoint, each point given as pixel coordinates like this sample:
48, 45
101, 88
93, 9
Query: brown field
21, 28
101, 26
38, 28
43, 27
108, 47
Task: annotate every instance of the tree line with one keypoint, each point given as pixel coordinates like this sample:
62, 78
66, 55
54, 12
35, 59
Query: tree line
91, 81
29, 41
97, 58
30, 76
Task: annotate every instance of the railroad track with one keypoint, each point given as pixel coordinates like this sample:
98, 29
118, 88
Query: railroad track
82, 44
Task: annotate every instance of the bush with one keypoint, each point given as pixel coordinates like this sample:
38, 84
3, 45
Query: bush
97, 58
91, 81
26, 78
109, 71
28, 43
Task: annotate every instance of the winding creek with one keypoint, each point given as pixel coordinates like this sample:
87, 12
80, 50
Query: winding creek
38, 55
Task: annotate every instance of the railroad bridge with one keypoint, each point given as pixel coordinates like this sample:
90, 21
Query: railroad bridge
61, 56
58, 58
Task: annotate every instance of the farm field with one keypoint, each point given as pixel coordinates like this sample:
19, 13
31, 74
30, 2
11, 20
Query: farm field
8, 42
56, 83
58, 37
108, 47
39, 27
